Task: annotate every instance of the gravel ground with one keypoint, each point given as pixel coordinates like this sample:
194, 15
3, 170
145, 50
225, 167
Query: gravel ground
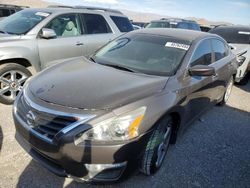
213, 152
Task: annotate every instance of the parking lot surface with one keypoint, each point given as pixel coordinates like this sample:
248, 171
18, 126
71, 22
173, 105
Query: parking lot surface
213, 152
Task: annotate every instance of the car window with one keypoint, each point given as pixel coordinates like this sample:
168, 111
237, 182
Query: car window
182, 25
202, 54
219, 49
12, 11
233, 35
194, 26
95, 24
4, 12
122, 23
158, 25
67, 25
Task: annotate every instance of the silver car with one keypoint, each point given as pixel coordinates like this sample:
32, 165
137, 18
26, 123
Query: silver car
37, 37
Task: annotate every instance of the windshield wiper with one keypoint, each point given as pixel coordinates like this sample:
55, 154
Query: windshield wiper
92, 59
116, 66
4, 32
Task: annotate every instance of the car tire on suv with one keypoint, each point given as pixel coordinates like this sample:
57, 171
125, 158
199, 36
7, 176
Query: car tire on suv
12, 79
157, 146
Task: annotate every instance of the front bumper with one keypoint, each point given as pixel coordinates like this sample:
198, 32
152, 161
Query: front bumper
89, 162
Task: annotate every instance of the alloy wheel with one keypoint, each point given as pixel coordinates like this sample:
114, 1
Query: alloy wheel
11, 83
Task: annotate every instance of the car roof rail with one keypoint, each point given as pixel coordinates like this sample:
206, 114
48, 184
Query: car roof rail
59, 6
99, 8
87, 8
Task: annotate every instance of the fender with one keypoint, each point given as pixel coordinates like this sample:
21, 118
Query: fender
31, 55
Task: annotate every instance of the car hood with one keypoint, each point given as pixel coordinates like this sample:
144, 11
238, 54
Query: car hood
87, 85
7, 38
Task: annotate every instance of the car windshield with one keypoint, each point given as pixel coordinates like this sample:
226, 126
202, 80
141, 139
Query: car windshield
158, 25
162, 24
148, 54
22, 22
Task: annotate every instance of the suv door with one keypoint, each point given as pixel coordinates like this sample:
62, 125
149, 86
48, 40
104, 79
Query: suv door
67, 44
97, 32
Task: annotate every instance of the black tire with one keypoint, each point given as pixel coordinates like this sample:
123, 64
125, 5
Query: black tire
225, 97
150, 157
20, 71
244, 80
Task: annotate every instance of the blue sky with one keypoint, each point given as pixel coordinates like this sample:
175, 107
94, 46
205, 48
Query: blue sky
234, 11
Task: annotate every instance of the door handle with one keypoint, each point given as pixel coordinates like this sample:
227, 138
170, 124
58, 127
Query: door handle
79, 44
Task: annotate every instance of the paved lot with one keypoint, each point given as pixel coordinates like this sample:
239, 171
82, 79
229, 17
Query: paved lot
213, 152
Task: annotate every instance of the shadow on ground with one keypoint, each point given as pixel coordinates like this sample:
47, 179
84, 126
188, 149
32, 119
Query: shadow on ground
214, 152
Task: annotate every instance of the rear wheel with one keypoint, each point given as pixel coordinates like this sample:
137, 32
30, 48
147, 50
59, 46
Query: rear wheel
227, 92
157, 146
12, 79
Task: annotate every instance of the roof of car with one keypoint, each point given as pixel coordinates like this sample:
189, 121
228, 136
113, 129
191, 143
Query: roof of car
173, 20
184, 34
54, 9
233, 27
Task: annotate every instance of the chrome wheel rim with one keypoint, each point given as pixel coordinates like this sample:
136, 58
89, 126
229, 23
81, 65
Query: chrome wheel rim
163, 147
228, 90
11, 83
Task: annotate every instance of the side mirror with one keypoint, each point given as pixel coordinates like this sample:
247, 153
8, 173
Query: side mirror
48, 33
202, 70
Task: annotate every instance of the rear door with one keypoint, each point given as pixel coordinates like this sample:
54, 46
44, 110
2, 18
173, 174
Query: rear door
221, 63
97, 32
67, 44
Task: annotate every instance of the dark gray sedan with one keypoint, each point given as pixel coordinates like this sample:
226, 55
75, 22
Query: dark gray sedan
89, 119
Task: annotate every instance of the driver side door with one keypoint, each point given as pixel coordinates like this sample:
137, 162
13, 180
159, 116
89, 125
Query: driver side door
67, 44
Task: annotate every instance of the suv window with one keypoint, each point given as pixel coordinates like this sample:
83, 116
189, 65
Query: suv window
95, 24
219, 49
122, 23
160, 24
233, 35
182, 25
4, 12
12, 11
66, 25
194, 26
202, 54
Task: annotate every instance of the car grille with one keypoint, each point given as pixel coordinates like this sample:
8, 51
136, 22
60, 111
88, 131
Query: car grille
43, 123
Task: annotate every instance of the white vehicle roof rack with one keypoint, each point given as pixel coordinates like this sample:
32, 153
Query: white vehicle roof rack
87, 8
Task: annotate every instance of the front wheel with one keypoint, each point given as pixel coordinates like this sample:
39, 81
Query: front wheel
227, 92
12, 79
157, 147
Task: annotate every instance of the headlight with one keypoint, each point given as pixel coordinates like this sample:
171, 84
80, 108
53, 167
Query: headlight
119, 128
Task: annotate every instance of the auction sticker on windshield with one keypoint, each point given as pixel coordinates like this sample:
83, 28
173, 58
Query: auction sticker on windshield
177, 45
43, 14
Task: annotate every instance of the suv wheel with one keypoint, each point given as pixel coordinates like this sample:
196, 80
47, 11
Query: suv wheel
157, 147
12, 79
